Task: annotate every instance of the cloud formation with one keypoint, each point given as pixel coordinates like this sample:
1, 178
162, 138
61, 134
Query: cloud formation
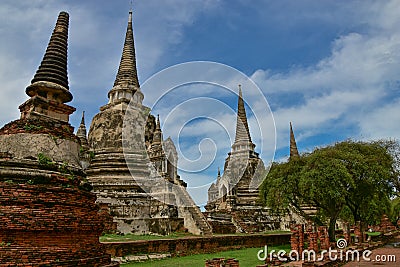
356, 86
332, 68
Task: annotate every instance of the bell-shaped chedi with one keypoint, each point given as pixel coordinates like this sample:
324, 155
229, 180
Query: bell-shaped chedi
131, 171
119, 163
234, 198
48, 214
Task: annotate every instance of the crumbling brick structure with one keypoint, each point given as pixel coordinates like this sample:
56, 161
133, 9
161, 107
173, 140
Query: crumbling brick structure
297, 238
386, 225
312, 234
221, 262
346, 233
357, 233
323, 237
48, 214
110, 227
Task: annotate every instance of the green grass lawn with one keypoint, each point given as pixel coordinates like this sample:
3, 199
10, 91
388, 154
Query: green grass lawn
373, 233
369, 234
247, 258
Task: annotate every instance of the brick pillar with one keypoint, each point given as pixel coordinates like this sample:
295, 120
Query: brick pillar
312, 236
323, 237
313, 241
301, 238
294, 238
357, 233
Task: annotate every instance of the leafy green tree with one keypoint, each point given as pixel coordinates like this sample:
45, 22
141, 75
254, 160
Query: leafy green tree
357, 176
395, 211
372, 168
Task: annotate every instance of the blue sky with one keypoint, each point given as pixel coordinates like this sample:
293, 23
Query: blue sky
330, 67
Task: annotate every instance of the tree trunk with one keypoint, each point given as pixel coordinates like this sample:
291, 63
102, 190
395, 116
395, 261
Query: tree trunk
331, 229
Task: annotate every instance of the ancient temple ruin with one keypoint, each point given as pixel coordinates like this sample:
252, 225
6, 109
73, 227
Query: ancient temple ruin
233, 201
48, 214
132, 169
234, 204
237, 187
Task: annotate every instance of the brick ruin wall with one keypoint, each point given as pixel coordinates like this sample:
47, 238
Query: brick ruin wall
49, 221
195, 245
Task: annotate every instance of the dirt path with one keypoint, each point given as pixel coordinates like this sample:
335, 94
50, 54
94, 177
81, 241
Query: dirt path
388, 255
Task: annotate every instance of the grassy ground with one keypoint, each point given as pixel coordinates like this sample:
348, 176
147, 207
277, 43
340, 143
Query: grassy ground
370, 234
373, 233
247, 258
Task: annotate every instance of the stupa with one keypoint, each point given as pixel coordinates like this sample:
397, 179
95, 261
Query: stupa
48, 214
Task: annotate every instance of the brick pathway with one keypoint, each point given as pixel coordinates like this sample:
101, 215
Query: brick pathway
381, 253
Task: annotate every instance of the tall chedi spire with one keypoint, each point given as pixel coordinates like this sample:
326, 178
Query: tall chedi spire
127, 71
242, 128
126, 85
243, 141
81, 133
294, 153
49, 88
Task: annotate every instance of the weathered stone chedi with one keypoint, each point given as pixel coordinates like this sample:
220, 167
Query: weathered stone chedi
233, 201
131, 169
234, 204
48, 214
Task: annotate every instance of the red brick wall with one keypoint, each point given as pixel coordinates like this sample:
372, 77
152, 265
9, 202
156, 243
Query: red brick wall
54, 223
195, 245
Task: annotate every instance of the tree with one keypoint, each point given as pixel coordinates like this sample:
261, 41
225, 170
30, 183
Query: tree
355, 175
395, 212
372, 168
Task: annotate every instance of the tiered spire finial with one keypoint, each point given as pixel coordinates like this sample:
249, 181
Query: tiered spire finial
83, 118
52, 75
242, 128
81, 133
243, 146
127, 72
157, 133
126, 87
158, 125
49, 90
294, 153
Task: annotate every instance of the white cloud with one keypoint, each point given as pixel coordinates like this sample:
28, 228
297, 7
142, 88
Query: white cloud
24, 38
382, 122
356, 85
95, 43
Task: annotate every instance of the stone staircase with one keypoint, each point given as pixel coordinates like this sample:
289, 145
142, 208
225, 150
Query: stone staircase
195, 221
240, 225
247, 197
